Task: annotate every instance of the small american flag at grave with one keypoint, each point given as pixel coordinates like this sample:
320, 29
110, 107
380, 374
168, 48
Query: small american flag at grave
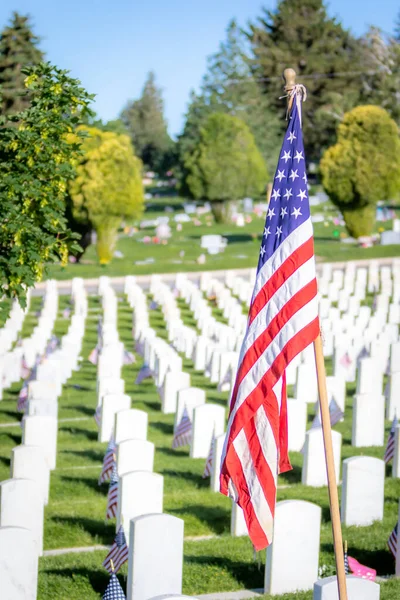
108, 462
389, 452
209, 462
283, 321
392, 541
118, 553
183, 433
112, 497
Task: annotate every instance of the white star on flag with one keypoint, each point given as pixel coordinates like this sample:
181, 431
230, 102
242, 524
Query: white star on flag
304, 178
281, 175
271, 213
286, 156
293, 174
262, 251
291, 137
302, 194
299, 156
283, 212
276, 194
296, 212
267, 231
288, 193
278, 231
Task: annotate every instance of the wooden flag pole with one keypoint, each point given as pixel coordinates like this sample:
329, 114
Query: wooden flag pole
289, 76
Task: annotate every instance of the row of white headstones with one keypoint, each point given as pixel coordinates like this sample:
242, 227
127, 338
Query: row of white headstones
24, 496
359, 505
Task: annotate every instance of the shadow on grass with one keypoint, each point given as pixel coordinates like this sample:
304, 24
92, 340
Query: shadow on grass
248, 575
293, 476
102, 531
217, 519
173, 452
94, 455
165, 428
89, 482
187, 476
6, 461
90, 435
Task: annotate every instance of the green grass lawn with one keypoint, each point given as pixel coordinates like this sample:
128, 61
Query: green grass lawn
241, 252
75, 514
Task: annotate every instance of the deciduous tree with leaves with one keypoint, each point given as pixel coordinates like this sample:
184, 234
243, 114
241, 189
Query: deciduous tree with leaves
36, 164
107, 187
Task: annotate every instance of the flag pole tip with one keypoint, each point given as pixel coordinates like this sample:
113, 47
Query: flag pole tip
289, 76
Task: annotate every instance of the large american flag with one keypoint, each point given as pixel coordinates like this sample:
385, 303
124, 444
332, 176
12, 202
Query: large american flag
283, 321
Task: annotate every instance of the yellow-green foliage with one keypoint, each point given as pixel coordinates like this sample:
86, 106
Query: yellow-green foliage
108, 186
363, 166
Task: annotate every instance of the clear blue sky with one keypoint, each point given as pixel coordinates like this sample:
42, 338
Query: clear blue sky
111, 45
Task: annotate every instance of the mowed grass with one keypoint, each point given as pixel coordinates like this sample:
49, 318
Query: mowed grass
75, 515
183, 248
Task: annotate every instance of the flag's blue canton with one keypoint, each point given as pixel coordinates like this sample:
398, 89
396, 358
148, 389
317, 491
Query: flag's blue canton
289, 206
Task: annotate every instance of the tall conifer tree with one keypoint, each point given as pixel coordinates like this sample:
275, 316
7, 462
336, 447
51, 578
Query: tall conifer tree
300, 34
144, 119
18, 49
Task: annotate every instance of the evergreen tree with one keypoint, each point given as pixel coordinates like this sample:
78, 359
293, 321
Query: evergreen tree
145, 122
381, 77
18, 49
300, 34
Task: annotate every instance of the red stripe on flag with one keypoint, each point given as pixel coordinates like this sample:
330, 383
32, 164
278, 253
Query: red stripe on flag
235, 473
298, 300
296, 344
300, 256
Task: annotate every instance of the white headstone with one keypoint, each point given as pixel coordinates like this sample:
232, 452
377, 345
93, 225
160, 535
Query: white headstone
155, 556
41, 390
306, 387
393, 399
19, 563
21, 505
297, 527
394, 360
45, 408
29, 462
362, 490
41, 431
208, 419
238, 522
109, 385
112, 403
135, 455
189, 397
139, 493
368, 420
130, 424
314, 468
174, 381
357, 589
297, 422
369, 377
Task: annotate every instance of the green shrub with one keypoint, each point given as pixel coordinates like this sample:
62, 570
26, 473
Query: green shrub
363, 167
225, 164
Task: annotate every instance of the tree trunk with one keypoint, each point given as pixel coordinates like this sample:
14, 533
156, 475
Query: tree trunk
222, 210
106, 240
360, 221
